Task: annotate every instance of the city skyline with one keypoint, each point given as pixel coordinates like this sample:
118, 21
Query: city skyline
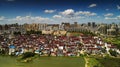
57, 11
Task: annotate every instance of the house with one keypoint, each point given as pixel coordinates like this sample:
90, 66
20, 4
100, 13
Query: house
11, 49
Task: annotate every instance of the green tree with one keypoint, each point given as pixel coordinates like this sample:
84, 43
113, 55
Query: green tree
113, 53
17, 33
33, 32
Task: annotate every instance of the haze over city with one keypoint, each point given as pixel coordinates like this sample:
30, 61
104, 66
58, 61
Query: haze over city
57, 11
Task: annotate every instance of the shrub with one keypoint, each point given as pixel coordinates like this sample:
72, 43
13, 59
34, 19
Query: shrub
27, 55
113, 53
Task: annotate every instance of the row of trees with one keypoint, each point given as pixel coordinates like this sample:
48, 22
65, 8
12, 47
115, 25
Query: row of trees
33, 32
28, 32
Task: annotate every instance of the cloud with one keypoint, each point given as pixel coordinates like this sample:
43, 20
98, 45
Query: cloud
98, 16
108, 14
49, 11
108, 18
70, 15
107, 9
118, 7
118, 17
86, 13
68, 12
2, 18
26, 19
57, 16
113, 18
92, 5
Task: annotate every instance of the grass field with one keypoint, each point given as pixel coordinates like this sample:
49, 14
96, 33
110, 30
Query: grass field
92, 62
109, 62
7, 61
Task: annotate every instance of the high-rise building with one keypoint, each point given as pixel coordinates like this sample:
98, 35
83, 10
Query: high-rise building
89, 24
93, 24
75, 24
66, 25
102, 29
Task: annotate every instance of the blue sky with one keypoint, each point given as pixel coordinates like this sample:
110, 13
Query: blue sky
57, 11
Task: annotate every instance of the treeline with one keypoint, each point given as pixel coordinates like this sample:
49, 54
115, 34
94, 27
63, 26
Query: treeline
28, 32
33, 32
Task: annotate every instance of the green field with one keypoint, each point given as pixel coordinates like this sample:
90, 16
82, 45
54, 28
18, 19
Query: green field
92, 62
103, 62
109, 62
7, 61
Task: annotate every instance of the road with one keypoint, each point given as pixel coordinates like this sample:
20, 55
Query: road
86, 62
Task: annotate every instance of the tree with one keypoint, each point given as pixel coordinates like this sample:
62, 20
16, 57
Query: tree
6, 27
113, 53
33, 32
27, 55
17, 33
103, 50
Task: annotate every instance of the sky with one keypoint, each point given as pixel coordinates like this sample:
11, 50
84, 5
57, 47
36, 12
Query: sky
57, 11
